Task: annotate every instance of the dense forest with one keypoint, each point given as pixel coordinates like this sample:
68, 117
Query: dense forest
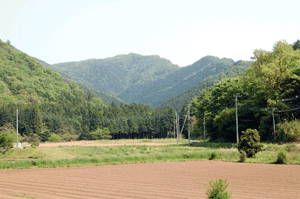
47, 104
270, 86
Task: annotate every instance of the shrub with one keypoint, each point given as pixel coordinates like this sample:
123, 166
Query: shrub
100, 134
35, 144
54, 138
282, 157
6, 140
217, 189
243, 156
213, 155
250, 142
44, 136
288, 131
291, 147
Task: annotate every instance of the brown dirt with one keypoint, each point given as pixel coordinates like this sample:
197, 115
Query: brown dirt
93, 143
153, 180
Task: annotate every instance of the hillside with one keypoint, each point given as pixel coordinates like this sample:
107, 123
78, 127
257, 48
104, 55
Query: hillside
115, 74
141, 79
48, 104
107, 98
178, 101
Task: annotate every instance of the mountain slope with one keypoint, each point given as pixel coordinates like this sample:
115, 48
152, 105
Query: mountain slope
43, 98
115, 74
107, 98
141, 79
159, 91
178, 101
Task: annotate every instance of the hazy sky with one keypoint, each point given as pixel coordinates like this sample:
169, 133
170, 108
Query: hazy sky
181, 31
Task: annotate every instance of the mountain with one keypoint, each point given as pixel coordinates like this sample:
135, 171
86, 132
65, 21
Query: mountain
46, 103
115, 75
43, 98
177, 101
141, 79
107, 98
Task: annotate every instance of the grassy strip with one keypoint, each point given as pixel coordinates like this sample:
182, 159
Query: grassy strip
23, 196
130, 154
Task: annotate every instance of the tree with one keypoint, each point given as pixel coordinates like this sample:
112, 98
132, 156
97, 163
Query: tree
250, 142
44, 136
54, 138
296, 45
7, 136
101, 134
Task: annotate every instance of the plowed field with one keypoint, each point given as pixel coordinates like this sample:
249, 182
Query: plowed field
152, 180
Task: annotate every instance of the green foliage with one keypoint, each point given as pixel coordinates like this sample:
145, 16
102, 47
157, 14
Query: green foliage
6, 140
296, 45
213, 156
250, 142
7, 137
35, 144
44, 136
217, 189
273, 76
177, 101
282, 157
288, 131
243, 156
291, 148
101, 134
45, 100
54, 138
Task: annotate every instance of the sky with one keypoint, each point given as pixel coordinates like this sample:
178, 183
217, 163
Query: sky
182, 31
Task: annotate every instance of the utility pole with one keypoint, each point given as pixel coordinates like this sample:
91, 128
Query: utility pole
204, 126
237, 123
189, 118
273, 121
178, 130
17, 130
174, 126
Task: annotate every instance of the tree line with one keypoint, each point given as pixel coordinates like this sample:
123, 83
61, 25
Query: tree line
261, 90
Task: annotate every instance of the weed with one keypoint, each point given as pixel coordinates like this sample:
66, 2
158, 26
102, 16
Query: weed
23, 196
243, 156
291, 148
213, 156
217, 189
282, 157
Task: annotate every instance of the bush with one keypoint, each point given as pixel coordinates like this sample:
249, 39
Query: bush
6, 140
101, 134
213, 155
7, 136
54, 138
282, 157
250, 142
217, 189
288, 131
35, 144
291, 148
44, 136
243, 156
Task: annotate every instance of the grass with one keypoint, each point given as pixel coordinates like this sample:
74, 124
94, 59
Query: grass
66, 156
23, 196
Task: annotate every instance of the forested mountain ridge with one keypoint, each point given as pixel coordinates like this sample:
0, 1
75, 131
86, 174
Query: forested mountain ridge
115, 74
141, 79
178, 101
107, 98
48, 104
